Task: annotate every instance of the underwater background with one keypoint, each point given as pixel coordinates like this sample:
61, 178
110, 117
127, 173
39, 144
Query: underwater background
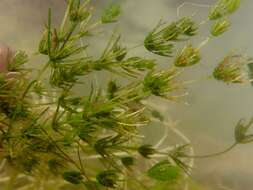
213, 108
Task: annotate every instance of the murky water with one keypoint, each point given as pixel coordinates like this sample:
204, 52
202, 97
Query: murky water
214, 108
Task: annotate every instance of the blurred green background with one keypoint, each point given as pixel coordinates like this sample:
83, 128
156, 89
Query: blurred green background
214, 107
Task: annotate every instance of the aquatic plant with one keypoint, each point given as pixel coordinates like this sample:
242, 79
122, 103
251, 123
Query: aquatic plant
232, 69
54, 138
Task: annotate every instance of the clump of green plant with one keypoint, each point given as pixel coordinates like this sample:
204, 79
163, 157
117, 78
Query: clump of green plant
57, 139
232, 69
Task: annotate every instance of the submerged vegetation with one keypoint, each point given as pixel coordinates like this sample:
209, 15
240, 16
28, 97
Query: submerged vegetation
52, 138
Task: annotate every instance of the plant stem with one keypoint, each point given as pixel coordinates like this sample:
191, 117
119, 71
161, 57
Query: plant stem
65, 18
214, 154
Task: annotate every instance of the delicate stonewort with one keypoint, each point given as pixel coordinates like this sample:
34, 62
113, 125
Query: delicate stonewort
9, 59
92, 138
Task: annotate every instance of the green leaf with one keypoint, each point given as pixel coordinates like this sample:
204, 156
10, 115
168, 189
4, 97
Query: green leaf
187, 57
241, 132
220, 27
29, 164
78, 13
162, 83
86, 132
139, 63
231, 69
19, 59
127, 161
232, 5
250, 71
110, 14
156, 114
187, 26
161, 39
223, 8
91, 185
112, 88
164, 171
55, 165
146, 150
74, 177
108, 178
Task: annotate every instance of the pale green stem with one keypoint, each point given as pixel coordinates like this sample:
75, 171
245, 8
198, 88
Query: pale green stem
65, 18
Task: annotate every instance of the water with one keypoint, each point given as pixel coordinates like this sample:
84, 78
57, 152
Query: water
214, 107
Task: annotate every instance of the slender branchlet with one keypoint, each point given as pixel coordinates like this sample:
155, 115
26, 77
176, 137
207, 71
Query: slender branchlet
55, 138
